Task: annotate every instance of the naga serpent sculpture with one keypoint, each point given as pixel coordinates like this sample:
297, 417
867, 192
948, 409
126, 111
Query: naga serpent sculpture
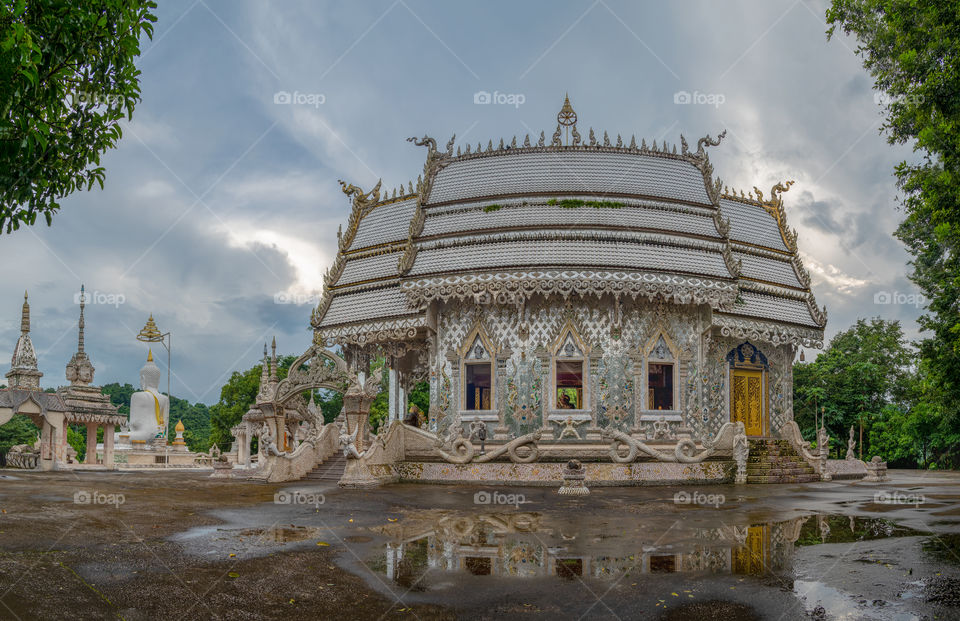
464, 452
684, 452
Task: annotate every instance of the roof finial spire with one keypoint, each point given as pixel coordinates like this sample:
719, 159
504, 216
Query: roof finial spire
25, 315
83, 300
273, 361
567, 117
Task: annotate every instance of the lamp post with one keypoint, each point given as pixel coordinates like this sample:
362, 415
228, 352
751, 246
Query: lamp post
151, 334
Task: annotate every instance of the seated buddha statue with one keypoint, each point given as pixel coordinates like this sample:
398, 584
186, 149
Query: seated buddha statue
149, 408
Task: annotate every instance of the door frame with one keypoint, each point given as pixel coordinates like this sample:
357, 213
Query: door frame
747, 371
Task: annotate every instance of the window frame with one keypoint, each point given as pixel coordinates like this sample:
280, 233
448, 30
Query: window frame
491, 414
584, 411
646, 411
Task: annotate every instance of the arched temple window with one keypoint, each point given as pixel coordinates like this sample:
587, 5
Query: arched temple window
570, 372
661, 361
478, 372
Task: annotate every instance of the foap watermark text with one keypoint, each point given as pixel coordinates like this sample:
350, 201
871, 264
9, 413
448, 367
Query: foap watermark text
294, 497
484, 98
683, 497
697, 98
87, 497
900, 299
296, 98
484, 497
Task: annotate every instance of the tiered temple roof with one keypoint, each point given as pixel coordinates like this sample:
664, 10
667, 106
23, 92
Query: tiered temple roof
588, 218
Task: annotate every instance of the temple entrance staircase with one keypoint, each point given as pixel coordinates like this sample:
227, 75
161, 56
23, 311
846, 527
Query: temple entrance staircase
774, 461
329, 470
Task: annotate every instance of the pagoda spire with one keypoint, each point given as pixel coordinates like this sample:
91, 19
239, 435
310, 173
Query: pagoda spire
24, 373
25, 315
83, 301
265, 367
80, 370
273, 361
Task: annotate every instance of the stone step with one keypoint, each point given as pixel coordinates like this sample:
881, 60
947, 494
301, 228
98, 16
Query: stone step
779, 463
776, 472
797, 478
329, 470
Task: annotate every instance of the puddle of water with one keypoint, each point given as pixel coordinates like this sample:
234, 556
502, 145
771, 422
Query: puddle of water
425, 554
842, 606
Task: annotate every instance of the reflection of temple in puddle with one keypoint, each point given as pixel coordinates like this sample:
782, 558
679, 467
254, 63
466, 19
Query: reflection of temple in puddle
521, 545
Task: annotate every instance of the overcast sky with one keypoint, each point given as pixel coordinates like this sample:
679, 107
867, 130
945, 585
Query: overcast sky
220, 202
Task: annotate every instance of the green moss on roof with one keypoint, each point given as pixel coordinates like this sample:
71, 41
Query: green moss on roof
572, 203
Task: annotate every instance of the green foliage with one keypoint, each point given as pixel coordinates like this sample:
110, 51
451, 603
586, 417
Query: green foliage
493, 207
77, 439
868, 373
236, 397
67, 79
420, 396
18, 430
573, 203
912, 51
120, 396
196, 421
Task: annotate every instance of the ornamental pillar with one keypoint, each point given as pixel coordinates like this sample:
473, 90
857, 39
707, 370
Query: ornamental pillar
91, 457
392, 395
108, 446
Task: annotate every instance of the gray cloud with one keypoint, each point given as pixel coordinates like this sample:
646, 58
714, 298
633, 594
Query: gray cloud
796, 107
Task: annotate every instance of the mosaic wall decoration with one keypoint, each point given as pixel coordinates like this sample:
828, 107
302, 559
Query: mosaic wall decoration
523, 413
615, 392
521, 333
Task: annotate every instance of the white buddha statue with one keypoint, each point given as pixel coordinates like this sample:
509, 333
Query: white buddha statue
149, 408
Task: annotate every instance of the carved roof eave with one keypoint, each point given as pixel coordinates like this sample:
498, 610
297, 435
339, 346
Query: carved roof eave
515, 287
362, 204
74, 416
768, 331
817, 314
774, 206
372, 331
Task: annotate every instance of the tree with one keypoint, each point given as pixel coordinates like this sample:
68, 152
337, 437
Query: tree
863, 370
236, 397
912, 51
67, 78
18, 430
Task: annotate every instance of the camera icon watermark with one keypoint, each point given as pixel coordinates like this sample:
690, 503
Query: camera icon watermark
683, 497
286, 98
484, 98
100, 298
86, 497
295, 497
898, 498
297, 299
886, 297
697, 98
484, 497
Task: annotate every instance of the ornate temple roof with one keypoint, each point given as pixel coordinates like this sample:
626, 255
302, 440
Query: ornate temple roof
583, 217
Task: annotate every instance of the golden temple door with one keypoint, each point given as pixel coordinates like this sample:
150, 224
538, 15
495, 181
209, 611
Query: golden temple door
746, 400
751, 559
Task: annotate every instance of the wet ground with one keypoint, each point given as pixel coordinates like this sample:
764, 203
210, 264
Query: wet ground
182, 546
